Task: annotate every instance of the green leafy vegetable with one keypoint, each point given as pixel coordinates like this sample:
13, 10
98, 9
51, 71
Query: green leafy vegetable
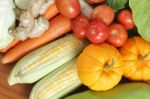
124, 91
141, 17
117, 4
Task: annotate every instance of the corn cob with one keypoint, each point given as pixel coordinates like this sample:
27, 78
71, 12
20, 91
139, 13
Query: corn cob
40, 62
58, 83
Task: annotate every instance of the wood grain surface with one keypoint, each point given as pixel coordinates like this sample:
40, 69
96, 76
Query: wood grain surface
11, 92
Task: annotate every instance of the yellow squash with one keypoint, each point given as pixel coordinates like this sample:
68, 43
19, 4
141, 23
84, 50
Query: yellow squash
99, 67
136, 59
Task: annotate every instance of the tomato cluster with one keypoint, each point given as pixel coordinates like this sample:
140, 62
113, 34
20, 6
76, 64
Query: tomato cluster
102, 25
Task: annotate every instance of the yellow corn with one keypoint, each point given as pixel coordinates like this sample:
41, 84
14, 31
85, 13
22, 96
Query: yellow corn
58, 83
40, 62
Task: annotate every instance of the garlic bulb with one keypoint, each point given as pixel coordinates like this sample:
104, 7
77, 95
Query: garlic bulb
20, 33
45, 6
35, 6
36, 29
32, 24
27, 19
22, 4
40, 26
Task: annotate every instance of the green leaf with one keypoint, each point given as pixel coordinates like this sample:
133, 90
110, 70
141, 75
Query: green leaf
141, 17
124, 91
117, 4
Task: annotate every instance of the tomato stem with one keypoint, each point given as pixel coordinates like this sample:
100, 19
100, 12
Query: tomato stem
114, 32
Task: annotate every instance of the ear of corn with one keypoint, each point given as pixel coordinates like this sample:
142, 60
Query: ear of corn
57, 83
40, 62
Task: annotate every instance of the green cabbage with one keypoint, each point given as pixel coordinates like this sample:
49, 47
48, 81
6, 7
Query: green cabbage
116, 4
141, 17
122, 91
7, 20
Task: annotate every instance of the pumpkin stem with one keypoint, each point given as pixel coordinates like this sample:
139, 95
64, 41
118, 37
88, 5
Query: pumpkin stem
141, 58
107, 65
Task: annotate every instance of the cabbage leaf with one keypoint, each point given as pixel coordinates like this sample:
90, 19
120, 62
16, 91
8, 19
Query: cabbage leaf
141, 17
7, 20
122, 91
117, 4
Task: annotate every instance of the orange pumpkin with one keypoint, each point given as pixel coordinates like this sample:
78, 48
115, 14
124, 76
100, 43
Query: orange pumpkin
136, 59
99, 67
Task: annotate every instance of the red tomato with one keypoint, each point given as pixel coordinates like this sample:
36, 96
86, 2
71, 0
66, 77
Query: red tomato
95, 1
97, 31
118, 35
68, 8
125, 18
79, 26
104, 13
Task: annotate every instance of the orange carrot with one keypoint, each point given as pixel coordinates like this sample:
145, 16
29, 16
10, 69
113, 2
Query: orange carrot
57, 27
14, 42
51, 11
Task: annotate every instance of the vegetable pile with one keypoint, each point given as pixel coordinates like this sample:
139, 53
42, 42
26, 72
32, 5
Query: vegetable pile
64, 44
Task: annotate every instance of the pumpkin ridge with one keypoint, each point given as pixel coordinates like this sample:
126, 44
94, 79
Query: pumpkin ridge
81, 69
129, 51
131, 67
96, 80
89, 70
111, 76
130, 74
146, 65
127, 67
148, 53
139, 68
116, 73
136, 69
144, 47
136, 41
93, 58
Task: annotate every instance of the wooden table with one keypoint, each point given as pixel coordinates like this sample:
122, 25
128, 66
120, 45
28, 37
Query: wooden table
11, 92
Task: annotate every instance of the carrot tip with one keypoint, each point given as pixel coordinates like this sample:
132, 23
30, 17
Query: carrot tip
4, 61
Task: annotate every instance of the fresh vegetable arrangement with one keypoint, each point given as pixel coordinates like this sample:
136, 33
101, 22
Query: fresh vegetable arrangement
58, 26
64, 44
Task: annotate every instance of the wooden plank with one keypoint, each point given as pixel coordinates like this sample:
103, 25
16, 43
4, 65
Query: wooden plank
19, 91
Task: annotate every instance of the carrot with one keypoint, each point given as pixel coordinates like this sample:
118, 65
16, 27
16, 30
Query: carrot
58, 26
51, 11
14, 42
